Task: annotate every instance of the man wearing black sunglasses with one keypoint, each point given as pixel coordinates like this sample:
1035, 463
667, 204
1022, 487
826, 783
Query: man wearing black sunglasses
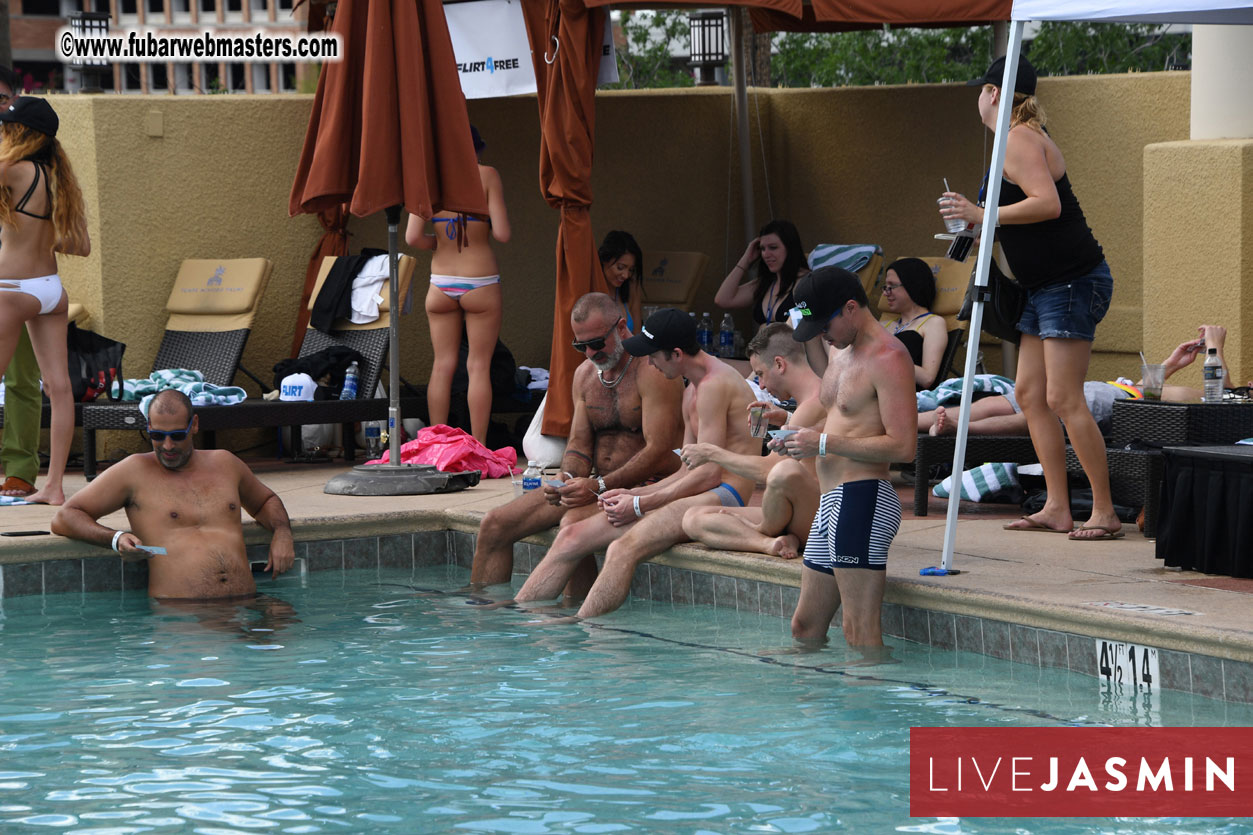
626, 422
185, 502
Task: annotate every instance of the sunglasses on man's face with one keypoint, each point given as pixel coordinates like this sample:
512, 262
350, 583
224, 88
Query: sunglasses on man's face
157, 436
594, 344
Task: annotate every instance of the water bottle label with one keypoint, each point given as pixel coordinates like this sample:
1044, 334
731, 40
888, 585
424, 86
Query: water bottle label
372, 432
530, 482
726, 339
1213, 372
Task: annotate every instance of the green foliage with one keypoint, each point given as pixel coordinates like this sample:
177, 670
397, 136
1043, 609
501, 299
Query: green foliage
1081, 48
652, 41
878, 56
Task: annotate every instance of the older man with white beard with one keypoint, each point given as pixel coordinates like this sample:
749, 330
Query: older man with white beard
627, 422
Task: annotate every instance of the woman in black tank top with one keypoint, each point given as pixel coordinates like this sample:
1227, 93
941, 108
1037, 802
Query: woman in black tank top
1052, 252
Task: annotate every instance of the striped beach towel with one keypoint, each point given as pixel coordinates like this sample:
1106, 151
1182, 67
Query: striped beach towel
981, 483
851, 257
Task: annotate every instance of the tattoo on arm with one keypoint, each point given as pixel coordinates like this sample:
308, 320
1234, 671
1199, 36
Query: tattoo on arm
571, 468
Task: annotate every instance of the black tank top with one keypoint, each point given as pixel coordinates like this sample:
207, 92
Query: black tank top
1050, 251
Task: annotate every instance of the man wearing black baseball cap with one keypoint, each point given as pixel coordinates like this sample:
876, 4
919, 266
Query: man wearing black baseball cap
644, 521
868, 391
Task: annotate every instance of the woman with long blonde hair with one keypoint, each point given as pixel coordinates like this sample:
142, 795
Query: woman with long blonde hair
41, 214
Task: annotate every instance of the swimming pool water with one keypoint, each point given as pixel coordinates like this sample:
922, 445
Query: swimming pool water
382, 702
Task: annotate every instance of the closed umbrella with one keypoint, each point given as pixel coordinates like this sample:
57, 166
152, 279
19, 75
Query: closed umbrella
389, 128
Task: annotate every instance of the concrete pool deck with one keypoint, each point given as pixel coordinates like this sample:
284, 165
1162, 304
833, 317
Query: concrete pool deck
1043, 582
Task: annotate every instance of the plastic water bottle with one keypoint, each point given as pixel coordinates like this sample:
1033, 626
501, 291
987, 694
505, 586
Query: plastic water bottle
1213, 377
726, 336
705, 332
531, 477
374, 439
351, 377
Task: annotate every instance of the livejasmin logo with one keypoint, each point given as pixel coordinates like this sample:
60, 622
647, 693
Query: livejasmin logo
1080, 772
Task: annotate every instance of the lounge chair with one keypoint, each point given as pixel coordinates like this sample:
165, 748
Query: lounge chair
211, 307
371, 340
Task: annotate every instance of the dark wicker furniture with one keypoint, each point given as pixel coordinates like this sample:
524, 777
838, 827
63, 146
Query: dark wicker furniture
980, 449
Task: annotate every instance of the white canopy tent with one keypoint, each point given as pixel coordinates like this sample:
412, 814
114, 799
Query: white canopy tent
1220, 12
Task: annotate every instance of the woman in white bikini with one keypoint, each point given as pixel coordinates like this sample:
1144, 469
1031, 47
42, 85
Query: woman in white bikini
41, 214
464, 292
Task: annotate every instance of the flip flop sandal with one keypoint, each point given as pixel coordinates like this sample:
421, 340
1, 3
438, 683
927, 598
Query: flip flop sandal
16, 487
1031, 527
1106, 533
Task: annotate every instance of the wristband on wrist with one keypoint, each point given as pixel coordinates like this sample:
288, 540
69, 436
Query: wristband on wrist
822, 444
116, 536
635, 503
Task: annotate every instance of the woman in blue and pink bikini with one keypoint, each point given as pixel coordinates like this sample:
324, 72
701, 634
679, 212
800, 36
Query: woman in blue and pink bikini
41, 214
464, 292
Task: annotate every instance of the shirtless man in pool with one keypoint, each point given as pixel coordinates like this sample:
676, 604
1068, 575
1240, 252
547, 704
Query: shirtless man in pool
186, 501
868, 390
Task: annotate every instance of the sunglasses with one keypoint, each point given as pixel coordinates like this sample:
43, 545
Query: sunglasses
594, 344
158, 437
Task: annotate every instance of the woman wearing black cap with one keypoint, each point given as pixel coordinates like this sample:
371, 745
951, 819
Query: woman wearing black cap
909, 292
41, 214
1055, 257
464, 294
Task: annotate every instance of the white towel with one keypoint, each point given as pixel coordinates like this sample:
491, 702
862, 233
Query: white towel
366, 288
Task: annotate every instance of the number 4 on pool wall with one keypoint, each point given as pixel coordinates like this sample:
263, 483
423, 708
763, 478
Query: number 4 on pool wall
1127, 664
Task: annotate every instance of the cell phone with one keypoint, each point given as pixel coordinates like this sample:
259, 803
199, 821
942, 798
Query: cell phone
26, 533
781, 434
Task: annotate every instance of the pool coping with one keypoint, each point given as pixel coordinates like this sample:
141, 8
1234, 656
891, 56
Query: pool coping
1203, 660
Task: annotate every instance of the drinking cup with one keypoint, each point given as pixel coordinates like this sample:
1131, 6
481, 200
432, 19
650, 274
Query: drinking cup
952, 225
757, 421
1153, 376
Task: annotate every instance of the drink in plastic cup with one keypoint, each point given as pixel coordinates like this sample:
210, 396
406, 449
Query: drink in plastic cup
952, 225
757, 421
517, 485
1153, 377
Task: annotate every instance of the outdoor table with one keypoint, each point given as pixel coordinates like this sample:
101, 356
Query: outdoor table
1206, 516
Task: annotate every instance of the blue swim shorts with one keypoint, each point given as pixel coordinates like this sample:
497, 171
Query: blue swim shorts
854, 526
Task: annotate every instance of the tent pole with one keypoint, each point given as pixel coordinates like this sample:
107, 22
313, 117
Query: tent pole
393, 348
740, 66
983, 262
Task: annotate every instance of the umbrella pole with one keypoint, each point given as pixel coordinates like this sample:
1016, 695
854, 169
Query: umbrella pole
395, 478
393, 327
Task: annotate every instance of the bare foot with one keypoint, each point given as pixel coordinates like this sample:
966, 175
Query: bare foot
940, 426
554, 621
786, 546
1040, 522
1098, 527
48, 496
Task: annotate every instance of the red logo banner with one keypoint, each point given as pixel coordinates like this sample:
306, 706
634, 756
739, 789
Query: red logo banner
1080, 772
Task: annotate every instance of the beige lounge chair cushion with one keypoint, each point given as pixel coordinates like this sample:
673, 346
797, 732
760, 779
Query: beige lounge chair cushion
671, 278
217, 294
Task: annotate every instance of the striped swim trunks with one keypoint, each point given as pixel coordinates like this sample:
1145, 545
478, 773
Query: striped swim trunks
853, 527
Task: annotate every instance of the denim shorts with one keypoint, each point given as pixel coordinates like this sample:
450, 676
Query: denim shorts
1070, 310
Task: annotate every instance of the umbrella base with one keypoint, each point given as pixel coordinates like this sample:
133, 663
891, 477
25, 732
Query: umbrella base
401, 480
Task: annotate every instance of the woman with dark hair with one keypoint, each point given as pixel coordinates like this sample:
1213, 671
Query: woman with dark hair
780, 258
622, 263
909, 292
41, 214
464, 294
1057, 260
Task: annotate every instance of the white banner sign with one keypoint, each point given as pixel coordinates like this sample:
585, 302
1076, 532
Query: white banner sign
493, 53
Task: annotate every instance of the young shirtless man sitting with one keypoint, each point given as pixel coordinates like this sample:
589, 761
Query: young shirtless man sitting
781, 525
642, 522
626, 422
186, 501
868, 391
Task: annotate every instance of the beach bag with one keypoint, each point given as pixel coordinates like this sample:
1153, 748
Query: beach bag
1003, 309
95, 361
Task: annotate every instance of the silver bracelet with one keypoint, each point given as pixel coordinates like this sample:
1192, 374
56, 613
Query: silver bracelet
600, 481
822, 444
116, 536
639, 514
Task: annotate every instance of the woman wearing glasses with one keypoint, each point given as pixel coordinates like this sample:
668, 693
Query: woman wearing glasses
464, 296
41, 214
909, 292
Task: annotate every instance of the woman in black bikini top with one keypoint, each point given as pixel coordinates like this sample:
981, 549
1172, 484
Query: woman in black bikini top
40, 223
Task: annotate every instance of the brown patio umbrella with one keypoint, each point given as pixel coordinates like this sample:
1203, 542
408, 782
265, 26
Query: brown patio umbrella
565, 49
389, 128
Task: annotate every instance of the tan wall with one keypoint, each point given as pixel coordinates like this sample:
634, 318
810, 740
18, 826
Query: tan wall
1198, 249
856, 165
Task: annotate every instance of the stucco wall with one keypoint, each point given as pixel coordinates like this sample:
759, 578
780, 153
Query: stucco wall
847, 165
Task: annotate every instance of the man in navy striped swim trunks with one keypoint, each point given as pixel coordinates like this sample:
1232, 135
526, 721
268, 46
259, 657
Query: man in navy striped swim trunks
868, 391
